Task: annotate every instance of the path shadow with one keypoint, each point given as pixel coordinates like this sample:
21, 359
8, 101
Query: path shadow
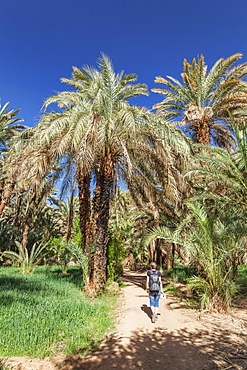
183, 350
133, 278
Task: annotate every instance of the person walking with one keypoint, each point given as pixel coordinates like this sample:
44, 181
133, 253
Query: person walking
154, 288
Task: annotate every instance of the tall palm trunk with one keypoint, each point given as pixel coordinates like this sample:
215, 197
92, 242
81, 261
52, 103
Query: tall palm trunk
159, 250
105, 174
28, 221
2, 182
19, 204
95, 215
84, 182
151, 251
7, 194
155, 252
96, 202
84, 208
70, 217
169, 256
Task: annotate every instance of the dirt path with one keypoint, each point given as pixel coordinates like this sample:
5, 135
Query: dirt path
177, 341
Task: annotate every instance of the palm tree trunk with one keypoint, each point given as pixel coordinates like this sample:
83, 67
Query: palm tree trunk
96, 202
169, 256
84, 182
19, 204
155, 246
105, 182
7, 194
84, 208
151, 251
67, 234
2, 182
159, 252
181, 254
28, 221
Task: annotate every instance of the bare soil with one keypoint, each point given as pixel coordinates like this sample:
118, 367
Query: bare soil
179, 340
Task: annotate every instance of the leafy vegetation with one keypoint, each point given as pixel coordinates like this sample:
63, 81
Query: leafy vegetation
46, 313
179, 281
205, 98
185, 189
242, 280
180, 273
27, 261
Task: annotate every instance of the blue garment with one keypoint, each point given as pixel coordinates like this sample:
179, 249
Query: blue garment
154, 300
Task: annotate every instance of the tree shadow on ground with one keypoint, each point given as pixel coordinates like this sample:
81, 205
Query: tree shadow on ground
160, 350
133, 278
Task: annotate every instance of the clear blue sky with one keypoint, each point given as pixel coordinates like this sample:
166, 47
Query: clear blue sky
42, 40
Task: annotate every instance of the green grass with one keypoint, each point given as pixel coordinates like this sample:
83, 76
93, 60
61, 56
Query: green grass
242, 279
46, 313
180, 273
242, 272
170, 288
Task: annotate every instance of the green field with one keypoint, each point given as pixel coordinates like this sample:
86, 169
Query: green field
47, 312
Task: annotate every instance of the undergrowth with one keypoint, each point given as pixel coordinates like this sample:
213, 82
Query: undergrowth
180, 273
183, 274
47, 313
242, 280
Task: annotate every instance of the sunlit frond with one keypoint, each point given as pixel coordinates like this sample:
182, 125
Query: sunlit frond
222, 90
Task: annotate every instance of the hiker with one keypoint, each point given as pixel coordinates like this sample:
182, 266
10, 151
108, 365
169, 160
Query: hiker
154, 288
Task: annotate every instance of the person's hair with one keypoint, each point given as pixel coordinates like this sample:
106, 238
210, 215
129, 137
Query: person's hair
153, 265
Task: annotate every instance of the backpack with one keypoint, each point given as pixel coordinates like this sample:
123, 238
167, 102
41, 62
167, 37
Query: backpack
154, 283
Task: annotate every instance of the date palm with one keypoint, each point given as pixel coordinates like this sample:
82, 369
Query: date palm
204, 98
94, 127
158, 186
9, 127
224, 175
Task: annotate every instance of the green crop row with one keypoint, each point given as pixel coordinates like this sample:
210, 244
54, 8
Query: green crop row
47, 312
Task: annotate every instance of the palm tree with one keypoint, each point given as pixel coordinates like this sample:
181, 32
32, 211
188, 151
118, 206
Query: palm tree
158, 186
211, 241
94, 127
9, 127
223, 176
204, 99
37, 198
222, 181
67, 213
33, 171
